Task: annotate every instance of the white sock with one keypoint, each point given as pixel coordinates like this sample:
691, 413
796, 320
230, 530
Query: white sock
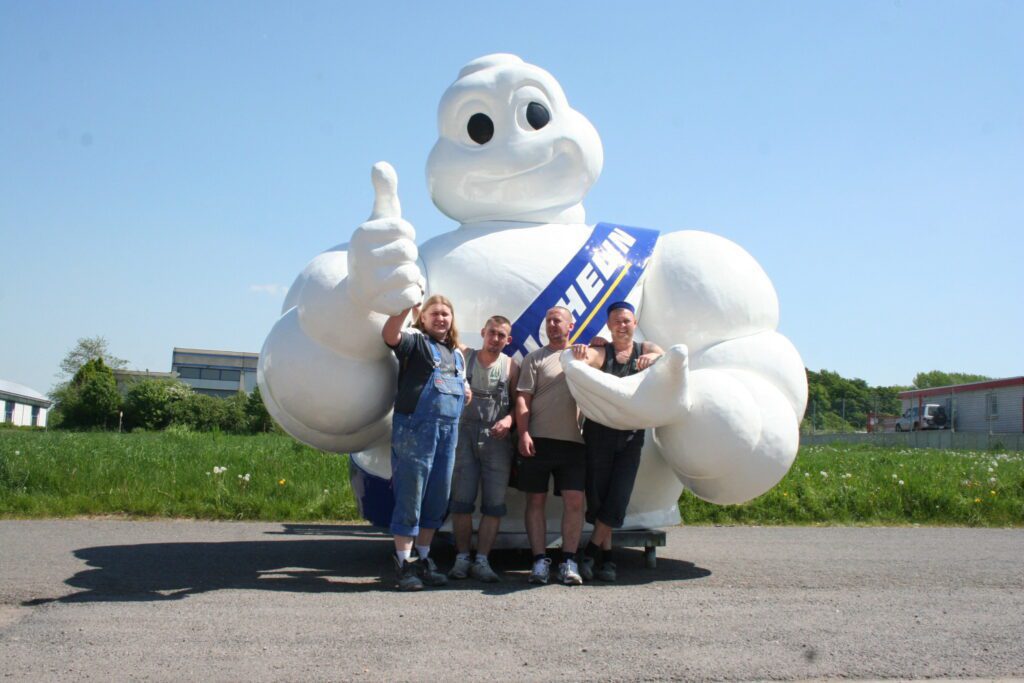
463, 556
403, 555
423, 551
480, 558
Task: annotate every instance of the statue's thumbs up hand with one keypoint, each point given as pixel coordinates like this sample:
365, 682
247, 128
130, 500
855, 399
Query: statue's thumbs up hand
382, 270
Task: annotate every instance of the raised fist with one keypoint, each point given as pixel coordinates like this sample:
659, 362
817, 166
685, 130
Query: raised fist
382, 270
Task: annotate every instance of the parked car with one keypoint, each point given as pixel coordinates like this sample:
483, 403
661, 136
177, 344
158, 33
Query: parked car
930, 416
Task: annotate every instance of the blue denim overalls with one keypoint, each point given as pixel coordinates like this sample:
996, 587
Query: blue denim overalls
423, 449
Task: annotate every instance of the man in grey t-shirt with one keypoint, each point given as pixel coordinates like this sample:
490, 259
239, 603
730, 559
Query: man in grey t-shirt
550, 444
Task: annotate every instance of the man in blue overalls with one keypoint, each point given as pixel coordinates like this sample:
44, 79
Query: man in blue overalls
613, 455
431, 393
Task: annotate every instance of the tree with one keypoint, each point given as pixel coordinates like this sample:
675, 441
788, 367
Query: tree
87, 349
259, 418
838, 404
937, 378
91, 399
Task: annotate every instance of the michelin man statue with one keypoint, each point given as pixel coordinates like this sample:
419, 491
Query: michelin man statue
512, 164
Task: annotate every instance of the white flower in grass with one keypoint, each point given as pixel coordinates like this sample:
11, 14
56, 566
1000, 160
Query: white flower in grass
807, 474
17, 452
824, 474
326, 491
992, 480
247, 476
990, 470
894, 476
901, 482
219, 470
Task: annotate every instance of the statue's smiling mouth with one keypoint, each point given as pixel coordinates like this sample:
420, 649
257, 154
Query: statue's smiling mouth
487, 176
559, 158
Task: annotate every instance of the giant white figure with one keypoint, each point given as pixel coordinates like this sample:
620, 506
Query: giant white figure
512, 164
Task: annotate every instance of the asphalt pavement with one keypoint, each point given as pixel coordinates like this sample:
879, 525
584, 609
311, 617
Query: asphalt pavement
174, 600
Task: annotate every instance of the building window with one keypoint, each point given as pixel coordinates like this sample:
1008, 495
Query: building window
230, 375
35, 416
188, 373
9, 411
209, 373
992, 407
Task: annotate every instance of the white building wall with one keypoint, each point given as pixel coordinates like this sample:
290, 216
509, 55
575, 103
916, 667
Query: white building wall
970, 412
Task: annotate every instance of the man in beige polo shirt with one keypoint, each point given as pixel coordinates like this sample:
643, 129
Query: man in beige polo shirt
551, 444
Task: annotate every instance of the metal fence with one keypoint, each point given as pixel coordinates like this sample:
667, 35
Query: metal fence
960, 441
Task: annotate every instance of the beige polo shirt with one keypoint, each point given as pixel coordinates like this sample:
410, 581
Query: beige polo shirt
553, 412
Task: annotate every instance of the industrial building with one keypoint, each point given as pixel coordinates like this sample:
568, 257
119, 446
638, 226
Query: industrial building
126, 378
22, 406
994, 406
216, 373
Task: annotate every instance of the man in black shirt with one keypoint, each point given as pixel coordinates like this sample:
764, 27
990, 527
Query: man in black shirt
613, 455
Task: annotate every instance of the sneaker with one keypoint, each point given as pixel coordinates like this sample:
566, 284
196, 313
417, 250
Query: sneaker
428, 573
407, 575
460, 570
481, 571
541, 571
606, 572
569, 574
587, 568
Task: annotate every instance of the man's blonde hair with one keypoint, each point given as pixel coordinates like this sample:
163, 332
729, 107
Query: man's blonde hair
498, 320
452, 338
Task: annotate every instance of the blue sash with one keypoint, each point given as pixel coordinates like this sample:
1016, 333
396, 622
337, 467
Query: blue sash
604, 270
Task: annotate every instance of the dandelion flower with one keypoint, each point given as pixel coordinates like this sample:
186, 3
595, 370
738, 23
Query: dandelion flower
992, 492
281, 482
326, 491
785, 494
977, 500
901, 482
17, 452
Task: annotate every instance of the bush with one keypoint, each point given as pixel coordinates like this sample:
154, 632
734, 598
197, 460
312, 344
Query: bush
149, 403
199, 412
234, 418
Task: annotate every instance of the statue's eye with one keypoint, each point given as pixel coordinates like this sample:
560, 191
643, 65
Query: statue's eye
537, 115
480, 128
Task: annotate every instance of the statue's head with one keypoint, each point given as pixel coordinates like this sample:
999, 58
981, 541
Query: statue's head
510, 147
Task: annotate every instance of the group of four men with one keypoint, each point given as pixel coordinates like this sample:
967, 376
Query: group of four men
596, 465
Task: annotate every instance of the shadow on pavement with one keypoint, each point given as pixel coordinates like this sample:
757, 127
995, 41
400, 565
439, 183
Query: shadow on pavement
353, 559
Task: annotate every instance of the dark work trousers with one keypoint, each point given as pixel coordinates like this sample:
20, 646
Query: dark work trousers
613, 457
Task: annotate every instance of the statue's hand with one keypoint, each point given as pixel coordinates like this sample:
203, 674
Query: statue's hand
652, 398
382, 270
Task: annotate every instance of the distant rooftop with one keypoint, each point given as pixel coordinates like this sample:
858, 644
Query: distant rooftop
961, 388
21, 391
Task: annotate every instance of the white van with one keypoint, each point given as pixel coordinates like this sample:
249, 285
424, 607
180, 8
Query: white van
930, 416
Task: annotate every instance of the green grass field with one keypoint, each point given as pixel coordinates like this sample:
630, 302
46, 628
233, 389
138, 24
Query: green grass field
272, 477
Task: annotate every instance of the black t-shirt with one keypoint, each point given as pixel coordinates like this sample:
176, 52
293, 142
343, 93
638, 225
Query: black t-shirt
415, 365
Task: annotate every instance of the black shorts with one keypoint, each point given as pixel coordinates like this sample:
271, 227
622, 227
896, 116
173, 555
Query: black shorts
613, 458
566, 460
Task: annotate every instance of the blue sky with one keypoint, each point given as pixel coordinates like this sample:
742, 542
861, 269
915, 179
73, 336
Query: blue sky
167, 168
